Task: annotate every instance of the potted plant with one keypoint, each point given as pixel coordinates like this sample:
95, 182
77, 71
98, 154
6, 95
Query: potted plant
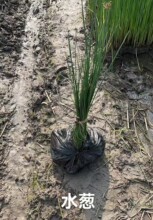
77, 147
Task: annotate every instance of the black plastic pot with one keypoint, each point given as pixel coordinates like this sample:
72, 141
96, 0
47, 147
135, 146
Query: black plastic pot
68, 156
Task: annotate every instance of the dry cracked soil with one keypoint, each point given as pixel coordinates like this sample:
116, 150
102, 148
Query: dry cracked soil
36, 98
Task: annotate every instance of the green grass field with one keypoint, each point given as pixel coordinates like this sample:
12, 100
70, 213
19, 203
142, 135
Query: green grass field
132, 19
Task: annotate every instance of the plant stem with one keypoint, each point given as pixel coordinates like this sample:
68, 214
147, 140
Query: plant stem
79, 134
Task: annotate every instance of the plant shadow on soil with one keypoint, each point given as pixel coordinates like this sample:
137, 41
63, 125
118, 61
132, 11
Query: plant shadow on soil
93, 179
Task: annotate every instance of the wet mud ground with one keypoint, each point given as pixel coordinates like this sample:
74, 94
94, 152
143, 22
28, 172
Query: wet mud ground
36, 98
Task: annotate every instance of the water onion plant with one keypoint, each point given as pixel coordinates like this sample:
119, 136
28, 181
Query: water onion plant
85, 72
80, 145
127, 16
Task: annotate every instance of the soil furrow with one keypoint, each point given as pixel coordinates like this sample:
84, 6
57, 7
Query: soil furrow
15, 184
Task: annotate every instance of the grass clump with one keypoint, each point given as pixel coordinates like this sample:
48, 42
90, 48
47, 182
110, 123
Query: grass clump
126, 16
85, 72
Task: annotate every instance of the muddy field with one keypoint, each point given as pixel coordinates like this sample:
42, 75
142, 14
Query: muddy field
36, 98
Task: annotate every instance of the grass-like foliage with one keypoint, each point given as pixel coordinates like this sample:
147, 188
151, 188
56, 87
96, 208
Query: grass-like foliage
134, 17
85, 72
